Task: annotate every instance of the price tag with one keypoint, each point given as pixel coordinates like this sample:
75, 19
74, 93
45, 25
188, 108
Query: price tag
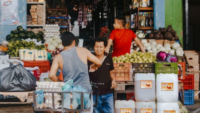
169, 111
167, 86
146, 84
146, 110
125, 110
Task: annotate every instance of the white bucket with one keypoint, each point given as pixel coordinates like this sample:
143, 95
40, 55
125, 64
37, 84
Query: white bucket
145, 87
145, 107
123, 106
167, 88
167, 107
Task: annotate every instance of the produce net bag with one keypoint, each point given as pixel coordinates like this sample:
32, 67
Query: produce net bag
16, 78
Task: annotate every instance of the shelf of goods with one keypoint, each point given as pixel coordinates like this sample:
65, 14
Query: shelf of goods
38, 14
138, 10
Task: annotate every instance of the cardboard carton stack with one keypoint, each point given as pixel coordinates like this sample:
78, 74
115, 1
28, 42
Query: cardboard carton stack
37, 14
193, 61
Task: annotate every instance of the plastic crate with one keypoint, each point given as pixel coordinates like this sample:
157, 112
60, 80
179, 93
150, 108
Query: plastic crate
122, 72
44, 66
166, 68
143, 67
130, 96
189, 97
181, 70
188, 82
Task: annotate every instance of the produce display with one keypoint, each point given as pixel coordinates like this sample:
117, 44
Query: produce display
15, 46
164, 33
136, 57
21, 34
52, 43
153, 47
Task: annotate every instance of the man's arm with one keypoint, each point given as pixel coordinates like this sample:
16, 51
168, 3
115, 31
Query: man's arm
138, 42
54, 69
93, 58
110, 41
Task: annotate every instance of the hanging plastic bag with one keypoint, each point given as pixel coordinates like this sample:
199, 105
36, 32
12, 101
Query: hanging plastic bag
67, 101
9, 11
40, 97
76, 96
16, 78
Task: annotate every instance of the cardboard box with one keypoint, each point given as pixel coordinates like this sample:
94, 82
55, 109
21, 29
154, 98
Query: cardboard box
40, 14
32, 10
33, 15
192, 57
196, 95
196, 77
196, 85
33, 6
193, 68
34, 23
34, 19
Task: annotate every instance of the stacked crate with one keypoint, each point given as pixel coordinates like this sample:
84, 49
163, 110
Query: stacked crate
37, 12
122, 72
188, 86
193, 67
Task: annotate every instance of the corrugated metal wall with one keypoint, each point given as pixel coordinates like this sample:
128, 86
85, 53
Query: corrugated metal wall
22, 11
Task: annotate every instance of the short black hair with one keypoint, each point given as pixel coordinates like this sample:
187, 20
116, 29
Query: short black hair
101, 39
67, 38
122, 19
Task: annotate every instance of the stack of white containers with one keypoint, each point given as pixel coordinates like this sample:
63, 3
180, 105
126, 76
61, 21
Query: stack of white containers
145, 93
167, 93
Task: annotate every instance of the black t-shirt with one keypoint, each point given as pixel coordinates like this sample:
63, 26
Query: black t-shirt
102, 75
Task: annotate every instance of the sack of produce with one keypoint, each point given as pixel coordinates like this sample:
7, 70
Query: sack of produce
16, 78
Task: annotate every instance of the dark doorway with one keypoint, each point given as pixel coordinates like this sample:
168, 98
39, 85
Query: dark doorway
194, 25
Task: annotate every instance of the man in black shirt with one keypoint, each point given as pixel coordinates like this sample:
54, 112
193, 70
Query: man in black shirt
105, 102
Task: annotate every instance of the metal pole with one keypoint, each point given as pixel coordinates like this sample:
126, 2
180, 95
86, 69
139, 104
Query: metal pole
186, 25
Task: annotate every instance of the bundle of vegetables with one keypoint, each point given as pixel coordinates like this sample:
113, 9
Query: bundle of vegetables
136, 57
52, 43
15, 46
164, 33
20, 34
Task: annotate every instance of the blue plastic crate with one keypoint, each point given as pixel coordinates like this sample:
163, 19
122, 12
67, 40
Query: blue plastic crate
188, 97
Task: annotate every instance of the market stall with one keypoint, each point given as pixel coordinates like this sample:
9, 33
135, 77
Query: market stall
164, 79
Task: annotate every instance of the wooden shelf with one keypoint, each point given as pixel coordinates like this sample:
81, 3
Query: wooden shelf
146, 28
145, 8
35, 2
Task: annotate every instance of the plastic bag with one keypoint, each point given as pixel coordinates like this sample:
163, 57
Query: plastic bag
40, 97
35, 71
16, 78
76, 96
4, 64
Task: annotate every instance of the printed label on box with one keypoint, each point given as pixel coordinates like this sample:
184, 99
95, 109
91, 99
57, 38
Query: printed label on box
167, 86
125, 110
146, 84
146, 110
169, 111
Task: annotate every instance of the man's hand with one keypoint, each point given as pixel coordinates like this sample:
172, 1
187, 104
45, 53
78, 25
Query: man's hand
114, 84
93, 67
